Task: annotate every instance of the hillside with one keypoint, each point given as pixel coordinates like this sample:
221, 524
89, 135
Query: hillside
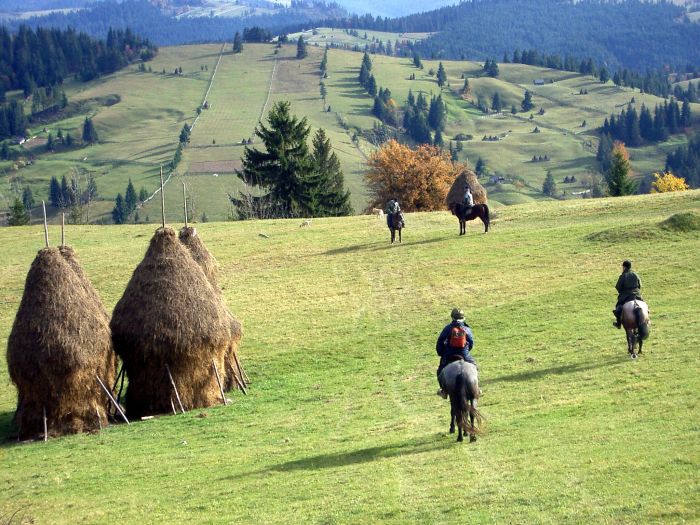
139, 116
342, 423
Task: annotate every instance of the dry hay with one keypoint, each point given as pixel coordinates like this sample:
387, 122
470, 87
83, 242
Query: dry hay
59, 342
456, 193
170, 315
193, 242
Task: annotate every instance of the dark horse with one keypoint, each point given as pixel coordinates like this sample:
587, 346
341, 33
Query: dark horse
469, 213
461, 382
395, 223
635, 319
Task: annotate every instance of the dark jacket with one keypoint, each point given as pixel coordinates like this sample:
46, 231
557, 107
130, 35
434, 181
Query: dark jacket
442, 347
628, 287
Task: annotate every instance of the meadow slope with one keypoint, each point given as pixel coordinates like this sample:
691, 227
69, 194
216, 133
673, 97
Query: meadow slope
342, 424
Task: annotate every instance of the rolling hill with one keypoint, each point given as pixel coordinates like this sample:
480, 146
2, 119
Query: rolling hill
139, 114
342, 424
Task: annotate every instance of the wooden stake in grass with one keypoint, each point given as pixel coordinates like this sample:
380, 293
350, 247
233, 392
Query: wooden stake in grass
46, 225
99, 420
184, 200
244, 376
218, 380
177, 394
114, 402
46, 427
162, 199
173, 406
63, 229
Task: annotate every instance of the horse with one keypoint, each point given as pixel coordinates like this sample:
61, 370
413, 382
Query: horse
635, 319
460, 380
395, 223
467, 213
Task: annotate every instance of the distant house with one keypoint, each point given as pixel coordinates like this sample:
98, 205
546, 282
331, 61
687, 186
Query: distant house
539, 82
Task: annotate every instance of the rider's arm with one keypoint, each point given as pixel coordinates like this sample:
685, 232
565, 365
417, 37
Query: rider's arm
470, 339
440, 345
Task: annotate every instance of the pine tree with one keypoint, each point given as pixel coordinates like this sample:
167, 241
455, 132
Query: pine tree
19, 216
441, 75
55, 195
549, 187
437, 114
185, 134
69, 140
283, 167
66, 194
130, 199
416, 60
527, 104
438, 140
604, 153
89, 132
618, 175
50, 146
323, 90
143, 194
237, 43
119, 214
686, 117
496, 102
301, 48
28, 198
372, 86
330, 199
480, 167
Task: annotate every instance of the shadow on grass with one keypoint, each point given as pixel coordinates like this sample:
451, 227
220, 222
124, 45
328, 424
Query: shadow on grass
8, 432
380, 246
365, 455
558, 370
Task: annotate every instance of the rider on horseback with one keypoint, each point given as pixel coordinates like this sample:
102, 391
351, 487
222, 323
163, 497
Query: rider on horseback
456, 340
628, 289
392, 207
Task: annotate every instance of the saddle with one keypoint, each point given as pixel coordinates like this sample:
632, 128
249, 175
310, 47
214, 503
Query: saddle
454, 358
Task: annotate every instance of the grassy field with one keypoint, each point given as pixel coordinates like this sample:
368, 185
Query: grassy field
138, 116
342, 424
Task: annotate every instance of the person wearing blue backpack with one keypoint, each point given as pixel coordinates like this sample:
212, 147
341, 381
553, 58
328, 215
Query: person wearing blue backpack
456, 339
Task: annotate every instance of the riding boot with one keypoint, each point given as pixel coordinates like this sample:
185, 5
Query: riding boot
617, 324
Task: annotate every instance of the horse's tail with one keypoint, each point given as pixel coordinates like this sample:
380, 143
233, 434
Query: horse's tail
460, 403
487, 215
642, 323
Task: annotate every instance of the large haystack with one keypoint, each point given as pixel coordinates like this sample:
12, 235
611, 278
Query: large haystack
59, 343
170, 315
193, 242
456, 193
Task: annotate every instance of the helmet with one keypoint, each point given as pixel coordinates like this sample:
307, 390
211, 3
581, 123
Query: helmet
457, 314
627, 264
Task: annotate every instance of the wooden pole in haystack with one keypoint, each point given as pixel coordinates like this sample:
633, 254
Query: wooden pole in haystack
63, 229
173, 406
177, 394
46, 427
46, 225
114, 401
244, 376
162, 199
184, 200
99, 420
218, 380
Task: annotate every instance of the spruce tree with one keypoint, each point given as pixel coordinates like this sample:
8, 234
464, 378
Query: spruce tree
437, 114
618, 175
130, 198
441, 75
66, 194
55, 195
301, 48
119, 214
185, 134
89, 132
19, 216
284, 166
438, 141
143, 194
237, 43
28, 198
330, 199
527, 104
496, 102
549, 187
480, 167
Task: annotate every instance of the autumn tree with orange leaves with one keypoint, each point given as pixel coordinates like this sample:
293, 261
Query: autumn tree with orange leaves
420, 178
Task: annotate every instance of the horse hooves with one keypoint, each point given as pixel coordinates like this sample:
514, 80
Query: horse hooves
472, 439
460, 438
633, 356
452, 431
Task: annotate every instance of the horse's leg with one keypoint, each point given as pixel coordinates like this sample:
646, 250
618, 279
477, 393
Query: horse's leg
472, 430
459, 433
630, 343
400, 241
640, 346
393, 235
452, 423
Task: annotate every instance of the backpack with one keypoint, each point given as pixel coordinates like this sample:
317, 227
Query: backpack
458, 337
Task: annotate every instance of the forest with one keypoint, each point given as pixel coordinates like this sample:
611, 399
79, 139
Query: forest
632, 34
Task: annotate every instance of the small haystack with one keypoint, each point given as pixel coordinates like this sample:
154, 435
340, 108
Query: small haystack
233, 375
59, 343
170, 317
456, 193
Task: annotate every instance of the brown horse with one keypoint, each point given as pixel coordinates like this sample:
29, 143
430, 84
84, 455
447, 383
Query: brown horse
460, 380
635, 319
396, 223
467, 213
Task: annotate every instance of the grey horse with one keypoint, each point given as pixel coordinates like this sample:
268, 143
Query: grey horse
461, 382
635, 319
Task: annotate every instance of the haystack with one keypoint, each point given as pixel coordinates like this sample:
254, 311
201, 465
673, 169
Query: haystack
59, 343
456, 193
170, 315
203, 257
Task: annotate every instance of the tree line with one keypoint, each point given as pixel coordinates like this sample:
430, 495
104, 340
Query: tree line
685, 162
44, 57
634, 129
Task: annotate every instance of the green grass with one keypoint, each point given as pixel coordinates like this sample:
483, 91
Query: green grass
342, 425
